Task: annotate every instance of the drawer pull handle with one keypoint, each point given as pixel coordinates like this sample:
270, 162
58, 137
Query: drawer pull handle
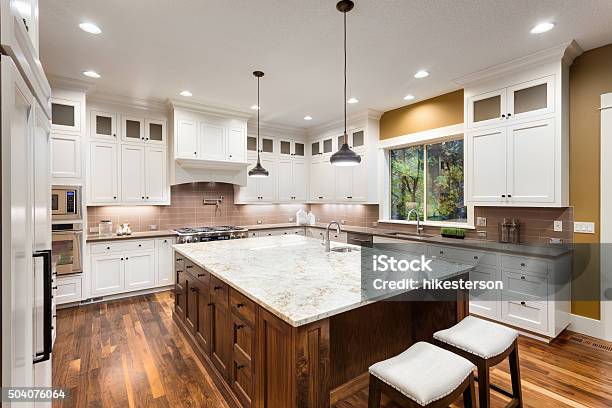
139, 245
522, 263
441, 252
189, 266
239, 305
216, 287
201, 275
475, 257
194, 290
211, 304
239, 326
522, 303
522, 277
240, 366
54, 288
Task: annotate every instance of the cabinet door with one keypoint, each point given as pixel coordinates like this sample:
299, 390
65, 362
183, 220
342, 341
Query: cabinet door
132, 129
220, 340
531, 162
107, 273
103, 180
357, 140
486, 165
285, 148
485, 302
236, 145
360, 180
327, 181
139, 270
65, 156
344, 182
186, 139
203, 324
267, 185
103, 125
191, 299
155, 175
180, 292
328, 146
165, 262
300, 180
532, 98
212, 144
155, 131
242, 368
487, 109
299, 149
132, 174
266, 146
286, 181
316, 174
65, 115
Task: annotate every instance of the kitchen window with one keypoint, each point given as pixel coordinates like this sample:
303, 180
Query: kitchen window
428, 177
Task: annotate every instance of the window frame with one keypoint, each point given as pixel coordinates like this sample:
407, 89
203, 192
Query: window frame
448, 133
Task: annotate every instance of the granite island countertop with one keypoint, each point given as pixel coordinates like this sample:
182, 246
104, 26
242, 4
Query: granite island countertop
134, 235
292, 276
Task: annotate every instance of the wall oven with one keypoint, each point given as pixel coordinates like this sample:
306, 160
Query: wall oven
65, 203
66, 247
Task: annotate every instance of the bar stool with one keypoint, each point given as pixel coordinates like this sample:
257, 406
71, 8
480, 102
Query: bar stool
423, 376
485, 344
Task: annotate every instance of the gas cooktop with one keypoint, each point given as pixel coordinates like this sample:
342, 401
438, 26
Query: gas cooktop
202, 234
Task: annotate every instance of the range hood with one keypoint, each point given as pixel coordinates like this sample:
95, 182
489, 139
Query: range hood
198, 170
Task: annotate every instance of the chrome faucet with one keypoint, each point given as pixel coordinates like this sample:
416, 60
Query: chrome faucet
327, 246
418, 219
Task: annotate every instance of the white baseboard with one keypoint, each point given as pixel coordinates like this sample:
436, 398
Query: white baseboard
588, 326
116, 296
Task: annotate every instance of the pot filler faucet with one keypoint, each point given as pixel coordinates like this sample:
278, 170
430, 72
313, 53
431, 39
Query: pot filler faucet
418, 219
327, 246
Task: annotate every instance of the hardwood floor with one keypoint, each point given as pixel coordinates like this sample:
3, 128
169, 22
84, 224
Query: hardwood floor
129, 353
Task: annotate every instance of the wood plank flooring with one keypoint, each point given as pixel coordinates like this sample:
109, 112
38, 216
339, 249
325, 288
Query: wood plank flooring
129, 353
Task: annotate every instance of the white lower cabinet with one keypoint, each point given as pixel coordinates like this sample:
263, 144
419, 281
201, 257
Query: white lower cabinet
69, 289
130, 265
485, 302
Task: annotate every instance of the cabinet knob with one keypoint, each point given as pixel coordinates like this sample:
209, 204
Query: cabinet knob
503, 195
114, 135
179, 259
239, 326
475, 257
216, 287
522, 263
239, 305
122, 259
522, 277
139, 245
230, 156
54, 288
441, 252
107, 247
165, 240
142, 197
523, 303
189, 266
126, 258
509, 114
195, 152
115, 197
503, 115
509, 195
240, 366
349, 196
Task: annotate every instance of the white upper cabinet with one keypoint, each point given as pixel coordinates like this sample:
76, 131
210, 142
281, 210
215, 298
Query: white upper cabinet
261, 189
156, 184
65, 157
155, 131
103, 184
236, 145
103, 125
132, 129
517, 140
300, 180
132, 174
212, 142
292, 180
186, 141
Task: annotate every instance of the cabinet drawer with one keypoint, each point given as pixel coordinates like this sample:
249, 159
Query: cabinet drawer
524, 285
68, 290
179, 261
466, 256
219, 291
242, 306
289, 231
131, 245
243, 347
524, 264
527, 314
200, 274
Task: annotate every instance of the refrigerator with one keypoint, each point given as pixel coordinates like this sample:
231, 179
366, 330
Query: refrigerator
25, 180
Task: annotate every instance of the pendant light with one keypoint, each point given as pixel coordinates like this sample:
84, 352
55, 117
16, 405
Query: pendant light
258, 170
345, 156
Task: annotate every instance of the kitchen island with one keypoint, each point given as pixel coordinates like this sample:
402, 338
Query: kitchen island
279, 322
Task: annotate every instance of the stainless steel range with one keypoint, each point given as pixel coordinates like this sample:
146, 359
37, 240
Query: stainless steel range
205, 234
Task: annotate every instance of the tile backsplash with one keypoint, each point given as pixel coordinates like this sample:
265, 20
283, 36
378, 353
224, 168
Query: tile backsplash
187, 210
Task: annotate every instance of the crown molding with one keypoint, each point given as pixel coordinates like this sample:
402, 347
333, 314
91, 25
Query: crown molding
206, 109
127, 101
359, 118
565, 52
275, 129
72, 84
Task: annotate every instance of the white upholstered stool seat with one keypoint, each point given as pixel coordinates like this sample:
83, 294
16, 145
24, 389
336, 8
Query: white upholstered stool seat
424, 373
479, 337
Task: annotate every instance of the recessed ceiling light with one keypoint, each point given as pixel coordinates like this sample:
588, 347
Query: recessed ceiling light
90, 28
408, 97
185, 93
255, 107
307, 117
542, 28
421, 74
352, 100
91, 74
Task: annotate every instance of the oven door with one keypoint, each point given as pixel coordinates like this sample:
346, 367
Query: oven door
67, 248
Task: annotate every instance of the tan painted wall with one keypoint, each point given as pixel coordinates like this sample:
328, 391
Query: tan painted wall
590, 76
443, 110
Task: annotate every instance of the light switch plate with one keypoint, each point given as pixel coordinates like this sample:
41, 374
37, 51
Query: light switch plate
558, 225
584, 227
481, 221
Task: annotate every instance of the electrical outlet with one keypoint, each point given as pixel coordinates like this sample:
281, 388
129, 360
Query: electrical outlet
94, 230
153, 227
555, 241
482, 234
290, 219
259, 222
584, 227
558, 225
481, 221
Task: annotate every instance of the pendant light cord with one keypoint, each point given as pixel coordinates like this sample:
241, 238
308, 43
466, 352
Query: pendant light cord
345, 134
258, 109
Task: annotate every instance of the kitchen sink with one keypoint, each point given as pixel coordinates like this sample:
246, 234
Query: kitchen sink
345, 249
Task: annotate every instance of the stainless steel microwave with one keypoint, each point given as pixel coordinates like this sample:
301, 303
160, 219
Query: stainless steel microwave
65, 203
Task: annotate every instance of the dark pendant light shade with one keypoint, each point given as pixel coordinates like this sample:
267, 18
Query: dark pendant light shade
258, 170
345, 156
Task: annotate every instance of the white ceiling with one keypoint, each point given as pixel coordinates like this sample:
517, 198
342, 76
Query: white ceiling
153, 49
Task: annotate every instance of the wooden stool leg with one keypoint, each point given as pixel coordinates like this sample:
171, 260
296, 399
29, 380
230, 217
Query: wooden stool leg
515, 374
484, 396
374, 393
469, 395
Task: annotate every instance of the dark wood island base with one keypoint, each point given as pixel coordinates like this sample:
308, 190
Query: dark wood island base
258, 360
